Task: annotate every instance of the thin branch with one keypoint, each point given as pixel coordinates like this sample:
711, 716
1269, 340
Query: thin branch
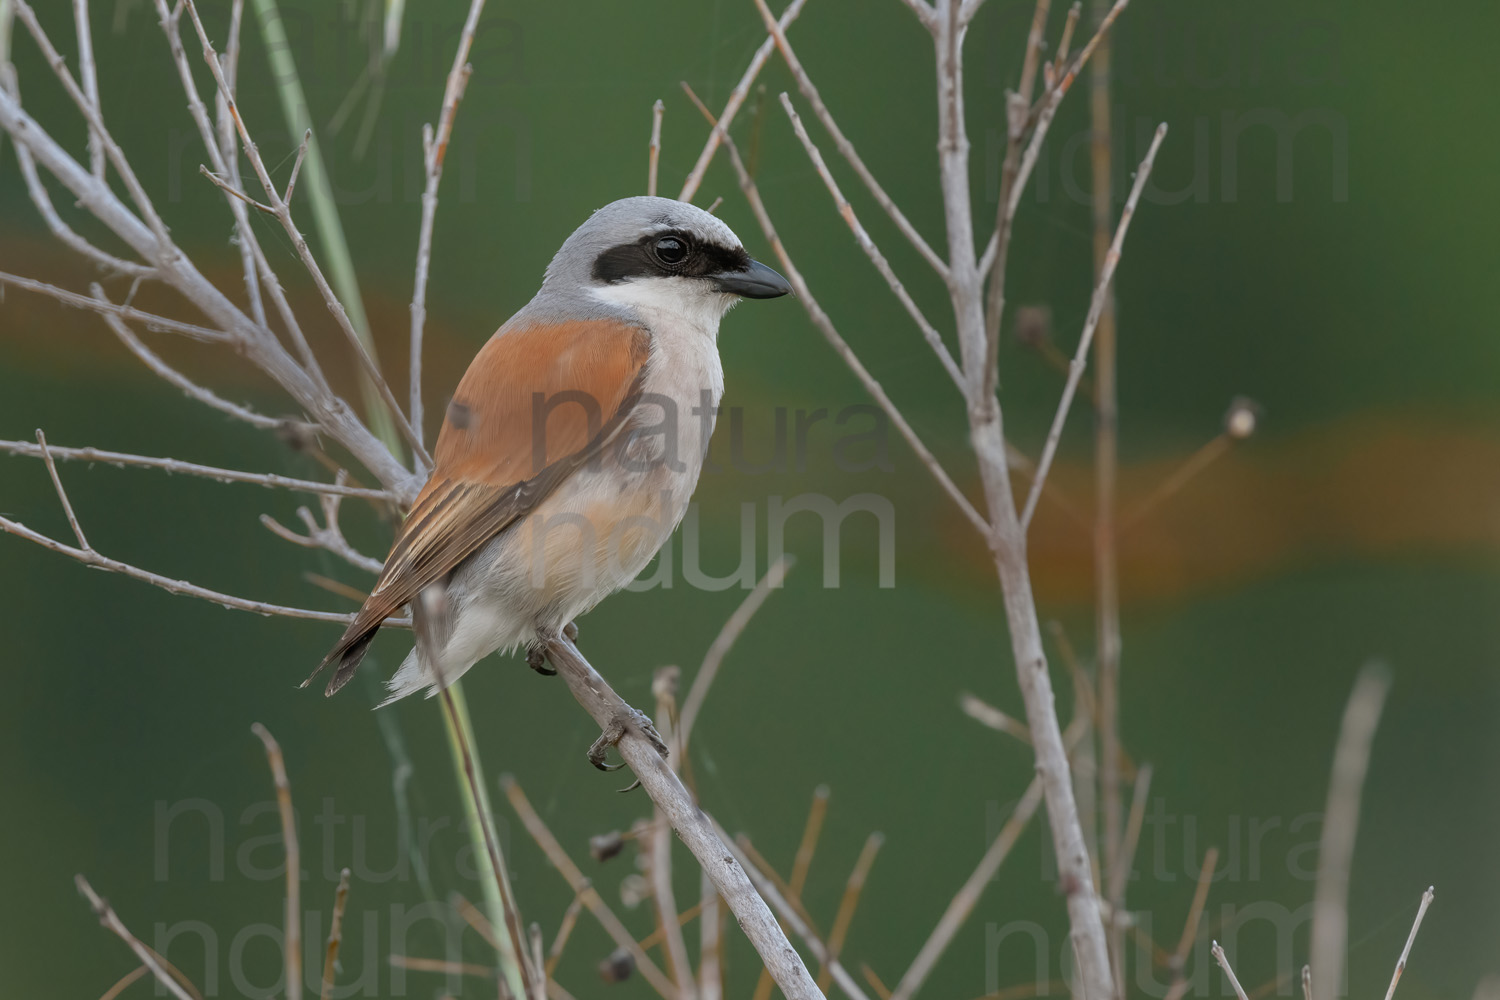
845, 147
582, 888
1091, 322
147, 957
666, 791
801, 865
284, 216
62, 495
732, 106
861, 237
653, 149
173, 377
434, 152
173, 466
658, 850
1039, 120
1351, 760
790, 915
1120, 877
291, 181
723, 642
97, 128
1223, 961
91, 557
967, 898
1406, 951
564, 932
825, 326
983, 712
328, 535
125, 981
160, 324
291, 943
1178, 959
848, 903
710, 940
43, 202
90, 78
923, 10
335, 935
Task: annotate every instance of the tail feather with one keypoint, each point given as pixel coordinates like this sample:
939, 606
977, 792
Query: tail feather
347, 655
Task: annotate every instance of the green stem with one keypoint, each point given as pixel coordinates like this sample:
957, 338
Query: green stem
340, 264
325, 210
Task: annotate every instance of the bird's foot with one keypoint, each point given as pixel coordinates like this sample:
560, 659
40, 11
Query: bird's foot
536, 659
571, 631
615, 732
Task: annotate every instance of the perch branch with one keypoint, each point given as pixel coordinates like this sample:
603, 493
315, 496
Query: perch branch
664, 788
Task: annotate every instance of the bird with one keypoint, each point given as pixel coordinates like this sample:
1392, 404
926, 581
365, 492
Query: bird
570, 449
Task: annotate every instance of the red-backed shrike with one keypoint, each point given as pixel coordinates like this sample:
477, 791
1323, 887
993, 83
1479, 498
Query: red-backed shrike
572, 445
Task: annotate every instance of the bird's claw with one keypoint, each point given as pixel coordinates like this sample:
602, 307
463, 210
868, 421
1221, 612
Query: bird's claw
536, 659
615, 732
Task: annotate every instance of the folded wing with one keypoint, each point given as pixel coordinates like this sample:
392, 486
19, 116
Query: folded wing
537, 402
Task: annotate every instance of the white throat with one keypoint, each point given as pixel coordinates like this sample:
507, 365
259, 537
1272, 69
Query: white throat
672, 302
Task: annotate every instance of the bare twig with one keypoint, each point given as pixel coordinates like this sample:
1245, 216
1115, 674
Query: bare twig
152, 321
653, 157
173, 377
791, 915
173, 466
964, 901
732, 106
1351, 760
723, 642
666, 791
846, 353
658, 850
1120, 877
90, 77
1223, 961
922, 9
861, 237
91, 557
983, 712
845, 147
848, 903
62, 495
147, 957
710, 941
335, 935
582, 888
1195, 911
564, 932
1406, 951
434, 151
291, 942
327, 536
124, 982
283, 214
801, 865
1096, 307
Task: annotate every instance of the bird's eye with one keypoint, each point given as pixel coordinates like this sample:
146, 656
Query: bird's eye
671, 250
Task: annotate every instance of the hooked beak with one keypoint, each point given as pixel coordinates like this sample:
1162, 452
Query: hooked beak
755, 282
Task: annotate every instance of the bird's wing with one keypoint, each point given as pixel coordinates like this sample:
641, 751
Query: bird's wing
537, 402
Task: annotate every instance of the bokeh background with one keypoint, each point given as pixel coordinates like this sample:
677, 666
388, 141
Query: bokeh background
1345, 281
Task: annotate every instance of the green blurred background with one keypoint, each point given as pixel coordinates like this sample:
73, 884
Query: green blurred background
1347, 286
